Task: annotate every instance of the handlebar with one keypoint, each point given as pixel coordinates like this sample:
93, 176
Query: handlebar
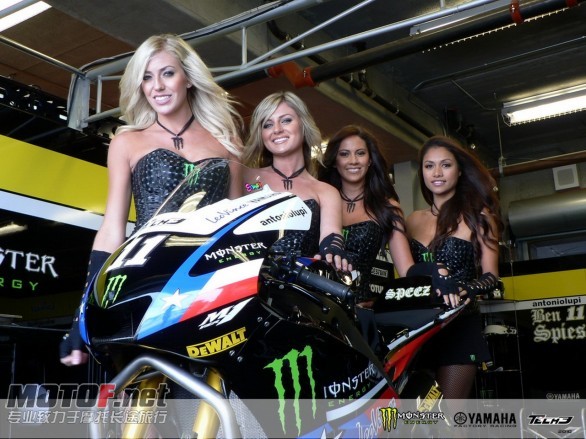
324, 284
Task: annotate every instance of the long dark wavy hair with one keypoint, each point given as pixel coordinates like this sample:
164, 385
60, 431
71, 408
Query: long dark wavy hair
378, 187
475, 199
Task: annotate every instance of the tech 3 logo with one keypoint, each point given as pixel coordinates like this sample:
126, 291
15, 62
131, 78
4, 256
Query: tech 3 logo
389, 417
293, 360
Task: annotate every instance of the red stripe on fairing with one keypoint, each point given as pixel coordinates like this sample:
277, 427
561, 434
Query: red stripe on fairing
401, 358
209, 300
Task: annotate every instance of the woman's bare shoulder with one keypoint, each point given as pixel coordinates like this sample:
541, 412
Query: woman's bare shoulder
127, 139
418, 215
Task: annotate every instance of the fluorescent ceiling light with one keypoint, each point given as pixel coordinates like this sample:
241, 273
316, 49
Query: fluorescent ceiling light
458, 17
11, 228
544, 106
13, 12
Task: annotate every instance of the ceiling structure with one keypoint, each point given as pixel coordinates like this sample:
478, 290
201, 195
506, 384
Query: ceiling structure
375, 65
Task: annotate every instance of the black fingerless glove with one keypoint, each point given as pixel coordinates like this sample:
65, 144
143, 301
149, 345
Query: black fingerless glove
486, 283
333, 244
72, 340
439, 282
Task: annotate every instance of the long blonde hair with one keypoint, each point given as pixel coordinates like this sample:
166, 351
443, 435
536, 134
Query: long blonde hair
211, 105
256, 155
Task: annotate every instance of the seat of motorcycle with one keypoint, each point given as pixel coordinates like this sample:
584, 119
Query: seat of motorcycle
407, 302
410, 318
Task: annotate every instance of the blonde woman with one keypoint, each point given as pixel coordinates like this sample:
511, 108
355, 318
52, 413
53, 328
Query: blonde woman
282, 137
176, 116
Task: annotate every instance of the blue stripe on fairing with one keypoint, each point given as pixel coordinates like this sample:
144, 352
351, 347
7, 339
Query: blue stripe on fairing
154, 320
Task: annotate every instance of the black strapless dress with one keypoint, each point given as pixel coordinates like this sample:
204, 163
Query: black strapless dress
363, 241
157, 173
461, 342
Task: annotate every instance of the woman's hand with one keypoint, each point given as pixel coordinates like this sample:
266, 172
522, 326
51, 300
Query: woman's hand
331, 249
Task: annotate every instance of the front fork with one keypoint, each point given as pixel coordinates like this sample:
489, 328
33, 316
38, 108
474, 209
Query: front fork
205, 425
142, 410
206, 422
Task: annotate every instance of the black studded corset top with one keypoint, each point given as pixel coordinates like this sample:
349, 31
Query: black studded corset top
456, 253
157, 173
363, 241
304, 241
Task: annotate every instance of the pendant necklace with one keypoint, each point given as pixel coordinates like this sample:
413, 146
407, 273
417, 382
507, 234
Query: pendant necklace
177, 139
351, 202
287, 181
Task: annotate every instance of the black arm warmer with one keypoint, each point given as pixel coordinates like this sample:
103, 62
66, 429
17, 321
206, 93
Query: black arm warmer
72, 340
444, 283
484, 284
97, 259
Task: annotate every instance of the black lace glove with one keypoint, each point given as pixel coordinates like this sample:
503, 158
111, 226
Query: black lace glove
441, 280
486, 283
72, 340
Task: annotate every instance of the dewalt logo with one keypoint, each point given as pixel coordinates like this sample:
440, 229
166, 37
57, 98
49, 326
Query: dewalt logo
389, 416
217, 345
293, 361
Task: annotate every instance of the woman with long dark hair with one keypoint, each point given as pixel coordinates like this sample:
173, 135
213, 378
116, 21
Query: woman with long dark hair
461, 229
371, 214
372, 218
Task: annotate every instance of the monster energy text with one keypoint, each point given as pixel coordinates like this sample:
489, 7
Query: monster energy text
243, 251
352, 387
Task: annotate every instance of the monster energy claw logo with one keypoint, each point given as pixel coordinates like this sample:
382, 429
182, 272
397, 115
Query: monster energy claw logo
389, 416
113, 289
292, 358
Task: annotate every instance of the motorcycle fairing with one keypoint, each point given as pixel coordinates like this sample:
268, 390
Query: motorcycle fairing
210, 219
198, 286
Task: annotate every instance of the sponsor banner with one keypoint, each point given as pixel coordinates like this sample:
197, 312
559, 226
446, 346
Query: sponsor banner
29, 411
548, 332
45, 258
551, 302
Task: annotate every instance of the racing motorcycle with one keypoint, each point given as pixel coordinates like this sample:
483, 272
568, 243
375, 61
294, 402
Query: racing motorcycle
201, 315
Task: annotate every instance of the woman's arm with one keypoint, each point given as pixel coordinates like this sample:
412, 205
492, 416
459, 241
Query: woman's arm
330, 228
330, 205
489, 260
236, 182
112, 232
399, 248
488, 280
